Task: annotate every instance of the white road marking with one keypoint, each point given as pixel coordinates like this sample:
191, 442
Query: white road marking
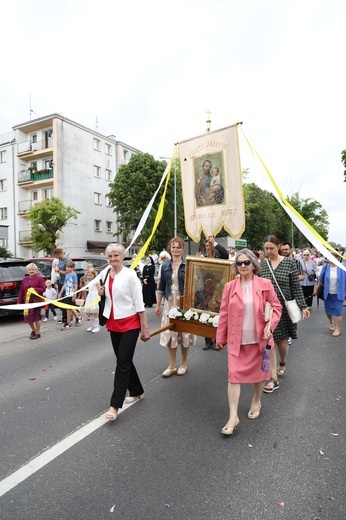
50, 454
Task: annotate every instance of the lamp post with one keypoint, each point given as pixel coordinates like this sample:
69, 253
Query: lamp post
175, 193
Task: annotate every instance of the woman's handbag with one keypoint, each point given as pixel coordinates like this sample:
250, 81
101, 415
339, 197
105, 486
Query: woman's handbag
294, 311
320, 292
102, 318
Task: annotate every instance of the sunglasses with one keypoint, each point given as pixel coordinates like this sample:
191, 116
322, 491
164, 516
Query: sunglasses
245, 262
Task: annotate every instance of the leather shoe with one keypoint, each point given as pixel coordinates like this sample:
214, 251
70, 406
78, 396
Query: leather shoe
229, 431
181, 371
132, 398
168, 372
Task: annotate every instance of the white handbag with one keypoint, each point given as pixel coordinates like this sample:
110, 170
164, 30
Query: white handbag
293, 310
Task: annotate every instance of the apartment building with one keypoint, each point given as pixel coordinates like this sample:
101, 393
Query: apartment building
53, 156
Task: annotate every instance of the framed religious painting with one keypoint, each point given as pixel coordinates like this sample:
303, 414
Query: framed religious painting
205, 279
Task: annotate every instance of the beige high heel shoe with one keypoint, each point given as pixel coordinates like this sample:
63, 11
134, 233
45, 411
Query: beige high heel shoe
229, 431
253, 414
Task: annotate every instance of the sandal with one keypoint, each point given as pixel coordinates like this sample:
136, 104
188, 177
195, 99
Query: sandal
270, 389
281, 369
111, 416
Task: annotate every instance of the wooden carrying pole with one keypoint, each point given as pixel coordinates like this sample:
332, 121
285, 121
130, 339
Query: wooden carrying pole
192, 327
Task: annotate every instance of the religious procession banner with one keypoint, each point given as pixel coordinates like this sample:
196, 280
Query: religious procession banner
212, 184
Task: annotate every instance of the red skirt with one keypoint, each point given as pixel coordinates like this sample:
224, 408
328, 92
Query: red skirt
246, 368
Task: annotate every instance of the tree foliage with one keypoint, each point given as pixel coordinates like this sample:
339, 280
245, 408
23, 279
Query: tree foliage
131, 192
343, 160
264, 216
48, 218
313, 213
5, 253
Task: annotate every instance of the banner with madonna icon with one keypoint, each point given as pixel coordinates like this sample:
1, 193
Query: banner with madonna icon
212, 184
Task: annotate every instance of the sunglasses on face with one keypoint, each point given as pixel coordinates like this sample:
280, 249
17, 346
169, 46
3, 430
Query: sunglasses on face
241, 262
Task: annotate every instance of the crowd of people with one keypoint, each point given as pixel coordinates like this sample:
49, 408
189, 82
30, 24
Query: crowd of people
254, 322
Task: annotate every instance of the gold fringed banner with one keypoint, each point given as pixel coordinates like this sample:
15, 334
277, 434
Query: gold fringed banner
212, 184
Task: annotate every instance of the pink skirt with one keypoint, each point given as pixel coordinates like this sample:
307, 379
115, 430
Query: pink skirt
246, 368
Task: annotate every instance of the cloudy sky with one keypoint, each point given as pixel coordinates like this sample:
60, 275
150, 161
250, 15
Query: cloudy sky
148, 72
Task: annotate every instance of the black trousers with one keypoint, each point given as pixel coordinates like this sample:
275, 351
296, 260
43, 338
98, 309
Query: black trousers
307, 291
126, 377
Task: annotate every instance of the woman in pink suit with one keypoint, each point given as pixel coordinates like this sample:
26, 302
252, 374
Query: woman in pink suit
243, 326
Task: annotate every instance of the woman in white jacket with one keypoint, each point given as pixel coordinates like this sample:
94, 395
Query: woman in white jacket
126, 318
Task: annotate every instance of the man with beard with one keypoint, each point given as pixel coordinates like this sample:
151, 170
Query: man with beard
203, 183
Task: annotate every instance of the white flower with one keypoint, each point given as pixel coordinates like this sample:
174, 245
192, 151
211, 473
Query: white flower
188, 315
196, 316
210, 321
204, 317
216, 320
174, 313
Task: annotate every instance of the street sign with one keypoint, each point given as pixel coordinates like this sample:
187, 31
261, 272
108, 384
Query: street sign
241, 242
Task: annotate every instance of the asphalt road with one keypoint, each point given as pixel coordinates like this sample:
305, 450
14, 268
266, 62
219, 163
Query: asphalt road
165, 458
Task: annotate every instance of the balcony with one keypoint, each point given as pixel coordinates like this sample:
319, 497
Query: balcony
39, 148
31, 176
25, 237
24, 206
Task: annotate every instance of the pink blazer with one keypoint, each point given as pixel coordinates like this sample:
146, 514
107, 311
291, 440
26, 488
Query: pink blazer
230, 325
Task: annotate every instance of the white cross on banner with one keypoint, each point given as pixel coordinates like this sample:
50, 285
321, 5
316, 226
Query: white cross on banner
212, 184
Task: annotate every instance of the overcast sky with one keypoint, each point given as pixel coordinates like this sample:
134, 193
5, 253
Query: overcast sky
148, 71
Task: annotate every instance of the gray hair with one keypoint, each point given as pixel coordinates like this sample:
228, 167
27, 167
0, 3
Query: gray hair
115, 248
31, 265
251, 256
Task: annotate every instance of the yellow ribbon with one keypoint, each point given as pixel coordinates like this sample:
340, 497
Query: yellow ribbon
287, 204
156, 222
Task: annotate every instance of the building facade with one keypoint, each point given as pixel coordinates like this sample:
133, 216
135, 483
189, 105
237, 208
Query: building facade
50, 157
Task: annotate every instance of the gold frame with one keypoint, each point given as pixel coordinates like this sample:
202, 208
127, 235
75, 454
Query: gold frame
197, 271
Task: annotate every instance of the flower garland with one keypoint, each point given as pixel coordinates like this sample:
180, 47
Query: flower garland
190, 315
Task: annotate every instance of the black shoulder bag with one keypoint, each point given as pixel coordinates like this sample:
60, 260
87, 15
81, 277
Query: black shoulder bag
102, 318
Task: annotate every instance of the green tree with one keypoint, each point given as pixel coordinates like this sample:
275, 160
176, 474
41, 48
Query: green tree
5, 253
313, 213
131, 192
262, 214
47, 219
343, 160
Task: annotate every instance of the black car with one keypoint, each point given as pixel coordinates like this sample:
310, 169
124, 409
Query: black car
12, 272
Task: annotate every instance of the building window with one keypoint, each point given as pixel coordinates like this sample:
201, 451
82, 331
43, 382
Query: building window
126, 156
107, 202
108, 175
47, 194
34, 195
3, 156
97, 145
109, 227
3, 242
33, 166
108, 149
48, 164
3, 213
97, 198
34, 138
97, 225
3, 184
97, 171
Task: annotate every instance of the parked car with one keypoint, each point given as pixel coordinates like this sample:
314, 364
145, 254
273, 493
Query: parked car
99, 262
44, 264
12, 272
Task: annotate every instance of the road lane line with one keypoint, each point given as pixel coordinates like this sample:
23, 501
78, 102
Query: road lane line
50, 454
